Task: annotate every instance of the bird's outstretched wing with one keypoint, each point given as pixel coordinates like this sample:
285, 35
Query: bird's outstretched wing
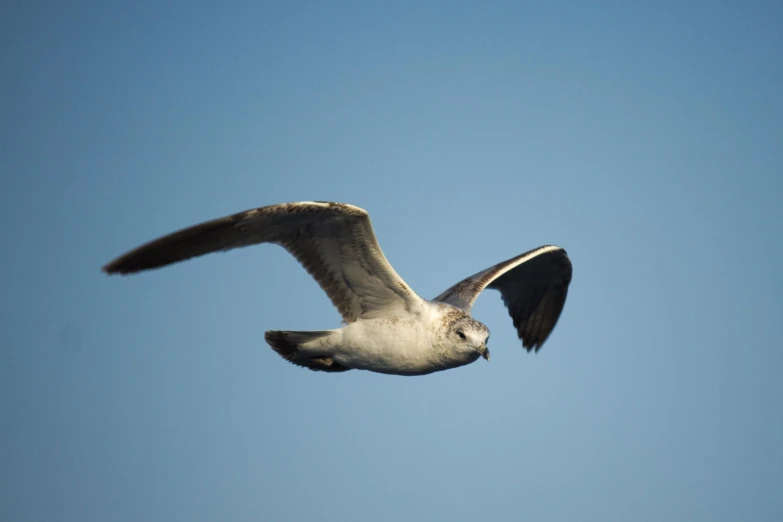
334, 242
533, 286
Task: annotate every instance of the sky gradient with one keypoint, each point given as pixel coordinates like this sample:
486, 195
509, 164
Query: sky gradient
645, 141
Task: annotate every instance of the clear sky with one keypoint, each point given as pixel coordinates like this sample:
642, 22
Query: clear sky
647, 141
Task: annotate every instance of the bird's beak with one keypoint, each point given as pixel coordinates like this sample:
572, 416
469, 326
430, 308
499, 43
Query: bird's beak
485, 352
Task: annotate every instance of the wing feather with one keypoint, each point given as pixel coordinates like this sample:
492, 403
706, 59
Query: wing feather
334, 242
533, 286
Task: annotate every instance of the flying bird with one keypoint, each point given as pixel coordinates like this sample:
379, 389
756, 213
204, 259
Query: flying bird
387, 328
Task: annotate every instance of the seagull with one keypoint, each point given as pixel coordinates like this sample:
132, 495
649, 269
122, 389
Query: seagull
387, 328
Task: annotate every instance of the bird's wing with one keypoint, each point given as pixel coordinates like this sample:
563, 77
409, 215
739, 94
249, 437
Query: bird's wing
334, 242
533, 286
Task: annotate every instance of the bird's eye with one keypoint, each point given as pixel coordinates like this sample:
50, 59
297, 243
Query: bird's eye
461, 334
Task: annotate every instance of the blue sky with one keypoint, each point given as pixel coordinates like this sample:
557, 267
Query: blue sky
644, 140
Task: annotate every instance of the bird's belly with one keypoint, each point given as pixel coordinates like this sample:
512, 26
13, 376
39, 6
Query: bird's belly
400, 346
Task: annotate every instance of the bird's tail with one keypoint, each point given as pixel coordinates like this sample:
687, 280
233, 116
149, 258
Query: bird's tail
291, 346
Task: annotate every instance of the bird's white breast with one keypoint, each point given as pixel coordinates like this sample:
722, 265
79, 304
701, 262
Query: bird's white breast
408, 345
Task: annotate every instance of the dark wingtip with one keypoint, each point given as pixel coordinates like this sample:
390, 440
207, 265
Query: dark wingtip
532, 346
113, 268
139, 260
118, 267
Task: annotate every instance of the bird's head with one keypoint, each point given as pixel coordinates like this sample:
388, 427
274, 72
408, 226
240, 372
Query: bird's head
469, 336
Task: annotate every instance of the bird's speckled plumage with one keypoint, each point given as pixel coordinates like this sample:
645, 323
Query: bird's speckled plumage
387, 327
